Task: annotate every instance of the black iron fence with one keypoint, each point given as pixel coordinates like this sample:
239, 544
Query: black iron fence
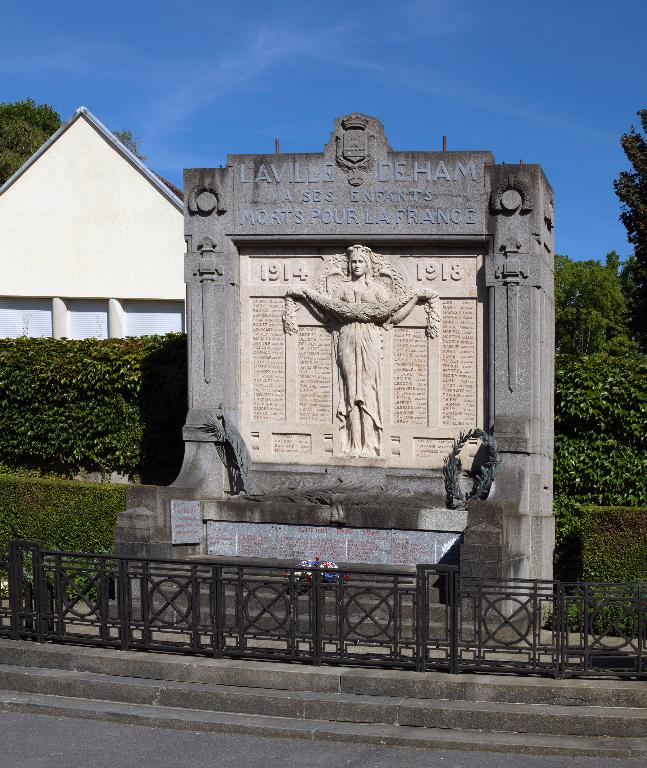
424, 618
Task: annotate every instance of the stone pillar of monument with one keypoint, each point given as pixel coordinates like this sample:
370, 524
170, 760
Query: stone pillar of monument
511, 534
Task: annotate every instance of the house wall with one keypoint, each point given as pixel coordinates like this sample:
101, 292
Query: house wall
83, 222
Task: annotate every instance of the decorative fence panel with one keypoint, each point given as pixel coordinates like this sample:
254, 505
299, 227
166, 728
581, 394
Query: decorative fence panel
423, 619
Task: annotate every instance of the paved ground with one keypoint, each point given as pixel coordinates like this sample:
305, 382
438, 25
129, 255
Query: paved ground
41, 741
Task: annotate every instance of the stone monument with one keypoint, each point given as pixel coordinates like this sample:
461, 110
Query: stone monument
350, 313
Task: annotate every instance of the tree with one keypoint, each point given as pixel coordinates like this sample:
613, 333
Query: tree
24, 127
130, 142
631, 189
590, 308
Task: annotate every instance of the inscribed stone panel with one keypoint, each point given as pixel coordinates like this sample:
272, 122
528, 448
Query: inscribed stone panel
431, 448
314, 375
186, 522
458, 363
291, 444
268, 356
409, 376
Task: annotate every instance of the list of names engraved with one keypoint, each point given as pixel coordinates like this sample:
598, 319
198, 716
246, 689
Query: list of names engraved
458, 363
409, 376
268, 360
285, 442
431, 448
314, 375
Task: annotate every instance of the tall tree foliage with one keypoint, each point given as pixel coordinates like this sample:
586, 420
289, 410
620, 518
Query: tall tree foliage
631, 188
24, 126
590, 307
130, 142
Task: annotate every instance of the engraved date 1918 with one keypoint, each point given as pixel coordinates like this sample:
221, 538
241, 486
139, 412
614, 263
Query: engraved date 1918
446, 271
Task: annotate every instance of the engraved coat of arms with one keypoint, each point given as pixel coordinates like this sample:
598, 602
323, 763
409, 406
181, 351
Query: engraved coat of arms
353, 150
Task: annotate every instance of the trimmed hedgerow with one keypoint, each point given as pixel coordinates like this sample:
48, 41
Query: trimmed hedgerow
114, 405
600, 438
614, 543
60, 514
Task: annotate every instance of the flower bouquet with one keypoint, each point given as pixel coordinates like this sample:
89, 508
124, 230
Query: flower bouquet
327, 566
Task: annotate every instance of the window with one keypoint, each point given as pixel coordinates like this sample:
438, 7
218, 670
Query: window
87, 319
144, 318
25, 317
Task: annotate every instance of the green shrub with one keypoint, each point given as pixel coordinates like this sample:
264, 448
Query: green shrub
60, 514
115, 405
614, 543
600, 445
601, 430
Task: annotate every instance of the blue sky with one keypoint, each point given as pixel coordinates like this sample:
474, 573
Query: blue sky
550, 82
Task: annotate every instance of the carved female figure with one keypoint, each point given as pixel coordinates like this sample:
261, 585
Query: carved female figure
360, 307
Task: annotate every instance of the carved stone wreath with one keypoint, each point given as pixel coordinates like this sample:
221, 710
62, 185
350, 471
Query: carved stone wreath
481, 481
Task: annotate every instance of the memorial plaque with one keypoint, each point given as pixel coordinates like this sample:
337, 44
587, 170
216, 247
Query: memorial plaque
319, 356
288, 443
222, 539
420, 547
343, 545
431, 448
409, 376
314, 375
186, 522
268, 360
458, 363
367, 545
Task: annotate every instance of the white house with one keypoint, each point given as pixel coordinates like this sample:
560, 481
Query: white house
91, 241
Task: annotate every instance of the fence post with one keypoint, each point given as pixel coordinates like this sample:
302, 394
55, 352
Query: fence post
452, 598
218, 612
40, 591
420, 617
123, 609
38, 585
561, 630
641, 629
15, 588
317, 616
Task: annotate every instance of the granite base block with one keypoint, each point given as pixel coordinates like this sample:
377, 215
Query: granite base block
346, 545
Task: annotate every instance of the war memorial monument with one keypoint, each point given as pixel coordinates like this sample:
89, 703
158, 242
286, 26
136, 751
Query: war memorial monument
351, 314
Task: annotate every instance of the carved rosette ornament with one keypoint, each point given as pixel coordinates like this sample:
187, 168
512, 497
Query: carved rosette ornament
511, 196
354, 150
204, 199
358, 295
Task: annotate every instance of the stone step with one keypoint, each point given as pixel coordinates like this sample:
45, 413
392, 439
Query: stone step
339, 707
322, 730
327, 679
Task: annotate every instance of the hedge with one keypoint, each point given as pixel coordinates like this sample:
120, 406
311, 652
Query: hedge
614, 543
115, 405
60, 514
600, 435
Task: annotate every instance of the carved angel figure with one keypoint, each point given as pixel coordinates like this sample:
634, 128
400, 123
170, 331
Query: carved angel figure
360, 306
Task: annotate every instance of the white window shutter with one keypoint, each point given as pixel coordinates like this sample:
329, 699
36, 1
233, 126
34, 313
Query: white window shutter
87, 319
144, 318
25, 317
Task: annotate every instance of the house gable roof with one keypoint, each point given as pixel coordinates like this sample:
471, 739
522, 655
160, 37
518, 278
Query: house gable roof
84, 112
